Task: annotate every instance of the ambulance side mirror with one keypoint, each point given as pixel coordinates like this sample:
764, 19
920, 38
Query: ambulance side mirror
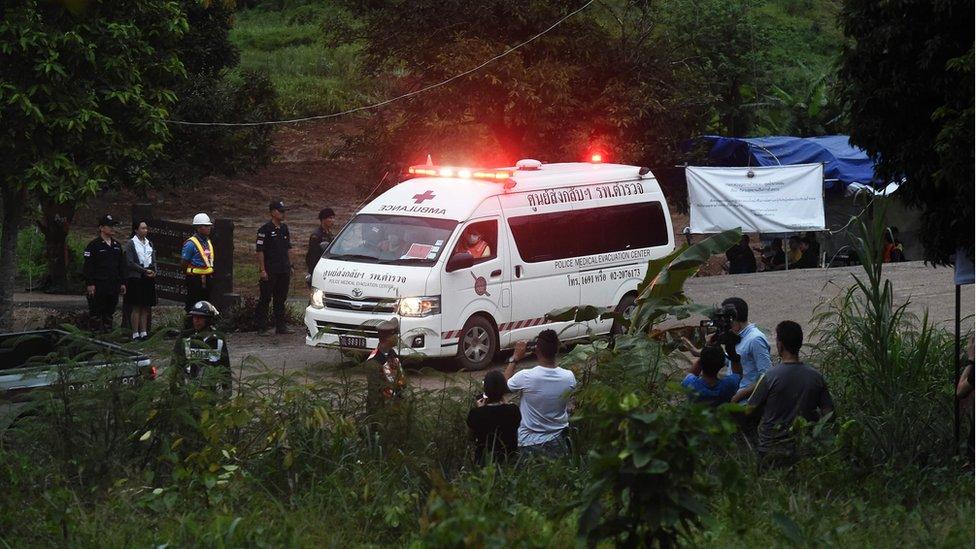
458, 261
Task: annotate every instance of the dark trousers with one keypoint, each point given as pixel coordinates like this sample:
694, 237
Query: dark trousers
275, 287
102, 305
197, 289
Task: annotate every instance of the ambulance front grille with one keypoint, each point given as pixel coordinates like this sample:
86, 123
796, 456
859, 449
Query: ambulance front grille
366, 304
336, 328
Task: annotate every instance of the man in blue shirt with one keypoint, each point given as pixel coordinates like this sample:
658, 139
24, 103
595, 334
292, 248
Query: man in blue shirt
753, 348
703, 382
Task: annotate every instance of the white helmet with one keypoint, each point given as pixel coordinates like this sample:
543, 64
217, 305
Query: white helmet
201, 219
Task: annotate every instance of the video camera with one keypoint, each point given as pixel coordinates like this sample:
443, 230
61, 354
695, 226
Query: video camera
719, 322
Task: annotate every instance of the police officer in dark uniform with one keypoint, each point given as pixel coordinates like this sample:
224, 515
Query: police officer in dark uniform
319, 241
272, 245
104, 273
201, 351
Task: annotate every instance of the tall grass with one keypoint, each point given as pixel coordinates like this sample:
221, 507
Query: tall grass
887, 366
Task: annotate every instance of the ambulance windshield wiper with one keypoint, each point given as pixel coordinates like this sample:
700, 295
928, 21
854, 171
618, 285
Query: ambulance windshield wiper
407, 260
354, 257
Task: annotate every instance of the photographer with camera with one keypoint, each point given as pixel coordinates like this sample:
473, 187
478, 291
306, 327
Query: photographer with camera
493, 423
749, 343
703, 382
740, 339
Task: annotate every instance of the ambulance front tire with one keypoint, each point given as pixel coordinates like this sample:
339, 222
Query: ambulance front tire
478, 344
625, 308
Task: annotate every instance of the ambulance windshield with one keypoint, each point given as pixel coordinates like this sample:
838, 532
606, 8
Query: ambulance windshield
391, 239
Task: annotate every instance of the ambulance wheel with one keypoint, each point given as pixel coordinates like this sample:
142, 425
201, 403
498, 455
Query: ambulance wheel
625, 308
478, 344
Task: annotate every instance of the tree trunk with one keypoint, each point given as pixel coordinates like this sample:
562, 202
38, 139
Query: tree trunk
54, 224
13, 213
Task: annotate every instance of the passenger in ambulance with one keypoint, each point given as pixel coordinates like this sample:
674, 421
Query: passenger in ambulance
373, 237
394, 246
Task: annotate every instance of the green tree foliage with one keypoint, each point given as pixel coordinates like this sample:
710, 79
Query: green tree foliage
83, 96
211, 92
908, 78
204, 92
631, 78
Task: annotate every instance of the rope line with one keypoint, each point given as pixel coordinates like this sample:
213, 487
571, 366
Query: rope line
386, 101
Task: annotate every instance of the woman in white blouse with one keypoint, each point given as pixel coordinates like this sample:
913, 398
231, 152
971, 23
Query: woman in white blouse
140, 283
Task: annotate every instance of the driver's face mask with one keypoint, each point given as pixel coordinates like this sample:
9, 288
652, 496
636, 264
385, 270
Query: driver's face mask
473, 239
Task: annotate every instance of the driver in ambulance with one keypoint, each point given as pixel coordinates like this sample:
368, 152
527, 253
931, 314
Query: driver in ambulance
474, 243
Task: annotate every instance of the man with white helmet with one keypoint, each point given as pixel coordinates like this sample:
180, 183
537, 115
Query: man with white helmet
198, 262
201, 351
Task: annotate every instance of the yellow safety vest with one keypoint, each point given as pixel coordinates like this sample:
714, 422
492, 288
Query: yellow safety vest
206, 254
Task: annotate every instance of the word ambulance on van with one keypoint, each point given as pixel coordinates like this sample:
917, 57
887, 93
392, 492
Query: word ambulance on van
471, 260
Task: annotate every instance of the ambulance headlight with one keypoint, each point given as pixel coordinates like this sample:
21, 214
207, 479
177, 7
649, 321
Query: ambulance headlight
420, 306
315, 299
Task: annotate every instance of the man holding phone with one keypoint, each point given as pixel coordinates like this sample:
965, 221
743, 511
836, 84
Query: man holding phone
545, 397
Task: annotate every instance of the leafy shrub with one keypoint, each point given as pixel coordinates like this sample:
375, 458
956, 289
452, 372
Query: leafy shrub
649, 481
32, 264
498, 507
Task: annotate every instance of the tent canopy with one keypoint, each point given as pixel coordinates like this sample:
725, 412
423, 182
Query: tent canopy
842, 161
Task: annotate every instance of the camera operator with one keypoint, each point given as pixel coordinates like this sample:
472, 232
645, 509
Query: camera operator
745, 340
752, 346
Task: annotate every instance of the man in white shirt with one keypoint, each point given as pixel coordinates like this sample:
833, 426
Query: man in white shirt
545, 390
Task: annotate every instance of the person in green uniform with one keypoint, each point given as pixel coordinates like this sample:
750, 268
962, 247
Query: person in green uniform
384, 375
387, 407
201, 353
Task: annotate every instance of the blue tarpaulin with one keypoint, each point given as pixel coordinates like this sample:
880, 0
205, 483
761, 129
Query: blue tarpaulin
842, 161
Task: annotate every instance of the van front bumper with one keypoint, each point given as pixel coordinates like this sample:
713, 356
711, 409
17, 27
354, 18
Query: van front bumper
420, 336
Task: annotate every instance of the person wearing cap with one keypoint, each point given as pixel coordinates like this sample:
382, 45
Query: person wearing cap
198, 259
201, 351
104, 273
384, 375
319, 241
272, 245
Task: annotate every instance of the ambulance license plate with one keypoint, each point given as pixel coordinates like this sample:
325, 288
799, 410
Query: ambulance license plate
352, 341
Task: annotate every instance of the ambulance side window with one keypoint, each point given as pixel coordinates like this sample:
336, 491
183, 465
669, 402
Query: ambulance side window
591, 231
480, 240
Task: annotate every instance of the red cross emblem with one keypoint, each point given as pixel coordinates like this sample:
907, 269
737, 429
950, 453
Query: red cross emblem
418, 198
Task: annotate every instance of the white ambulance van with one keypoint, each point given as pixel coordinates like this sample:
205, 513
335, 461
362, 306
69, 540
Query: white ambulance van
471, 260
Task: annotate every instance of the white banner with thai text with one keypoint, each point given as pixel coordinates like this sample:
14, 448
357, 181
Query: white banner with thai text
770, 199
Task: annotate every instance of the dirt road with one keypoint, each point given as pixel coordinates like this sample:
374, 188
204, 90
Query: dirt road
772, 297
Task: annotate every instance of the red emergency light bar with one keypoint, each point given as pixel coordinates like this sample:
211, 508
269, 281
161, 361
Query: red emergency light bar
463, 173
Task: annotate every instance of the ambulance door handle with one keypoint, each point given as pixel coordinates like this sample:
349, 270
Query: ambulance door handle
518, 271
496, 272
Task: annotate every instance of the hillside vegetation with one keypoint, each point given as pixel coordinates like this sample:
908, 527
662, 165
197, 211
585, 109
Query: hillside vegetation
312, 54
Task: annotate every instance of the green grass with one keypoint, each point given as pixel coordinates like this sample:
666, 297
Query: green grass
312, 72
